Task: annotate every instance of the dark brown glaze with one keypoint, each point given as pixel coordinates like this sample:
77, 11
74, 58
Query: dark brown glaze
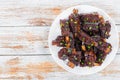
91, 29
59, 41
65, 30
91, 18
90, 58
74, 20
86, 38
104, 46
77, 44
62, 54
105, 29
83, 39
75, 58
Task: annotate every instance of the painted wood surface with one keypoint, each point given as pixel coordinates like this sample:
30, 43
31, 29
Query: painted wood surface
44, 68
24, 28
25, 40
43, 12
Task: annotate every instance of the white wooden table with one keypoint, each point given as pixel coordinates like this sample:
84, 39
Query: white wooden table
24, 28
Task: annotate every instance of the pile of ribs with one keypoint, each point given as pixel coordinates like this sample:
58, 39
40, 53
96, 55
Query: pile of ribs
83, 39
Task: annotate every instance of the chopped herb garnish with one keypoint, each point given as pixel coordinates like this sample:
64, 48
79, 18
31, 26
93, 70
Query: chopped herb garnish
61, 25
95, 36
75, 58
89, 63
75, 22
109, 46
88, 47
69, 50
61, 43
71, 20
65, 44
66, 29
86, 19
103, 24
83, 39
106, 32
92, 44
90, 28
102, 60
101, 54
100, 42
82, 63
64, 55
75, 34
80, 60
99, 59
67, 22
70, 39
90, 33
97, 27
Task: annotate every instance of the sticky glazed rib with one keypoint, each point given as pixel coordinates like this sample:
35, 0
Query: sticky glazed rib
86, 38
65, 30
64, 41
83, 39
91, 29
74, 20
59, 41
102, 44
91, 18
105, 29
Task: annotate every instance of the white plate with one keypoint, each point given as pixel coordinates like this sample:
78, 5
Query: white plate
55, 31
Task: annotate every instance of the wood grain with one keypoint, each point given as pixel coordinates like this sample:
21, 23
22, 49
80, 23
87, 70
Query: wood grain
25, 40
24, 28
44, 68
43, 12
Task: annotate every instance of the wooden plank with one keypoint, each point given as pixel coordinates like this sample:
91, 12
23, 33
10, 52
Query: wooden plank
25, 40
44, 68
43, 12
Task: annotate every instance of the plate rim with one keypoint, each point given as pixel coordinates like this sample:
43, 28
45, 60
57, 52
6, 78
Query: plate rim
49, 43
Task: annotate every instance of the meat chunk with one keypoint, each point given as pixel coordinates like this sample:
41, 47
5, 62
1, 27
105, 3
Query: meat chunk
65, 30
77, 43
59, 41
64, 41
105, 29
62, 54
91, 29
86, 38
75, 58
91, 18
100, 56
74, 19
97, 38
104, 46
90, 58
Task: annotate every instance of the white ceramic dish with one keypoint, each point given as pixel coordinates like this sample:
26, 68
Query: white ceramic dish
55, 31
